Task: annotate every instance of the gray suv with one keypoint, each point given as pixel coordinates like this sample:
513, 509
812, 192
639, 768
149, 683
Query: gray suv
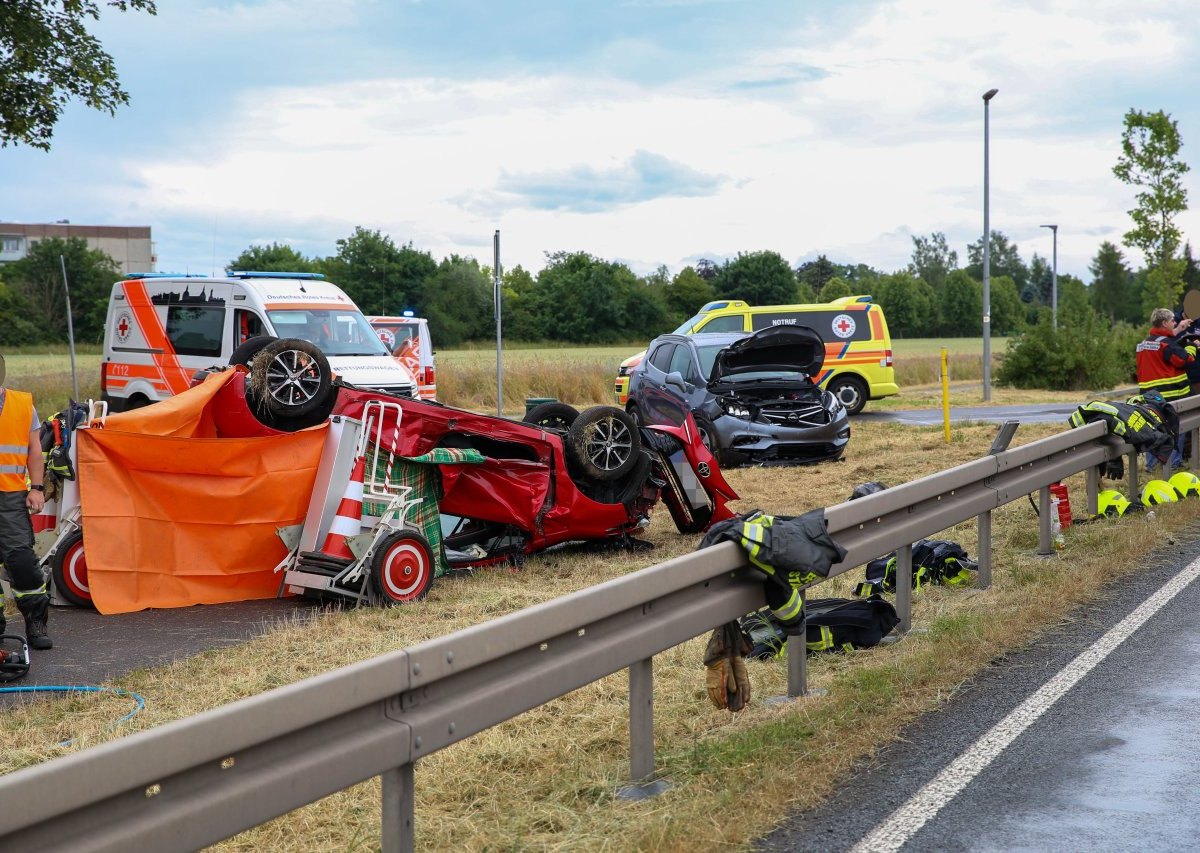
752, 396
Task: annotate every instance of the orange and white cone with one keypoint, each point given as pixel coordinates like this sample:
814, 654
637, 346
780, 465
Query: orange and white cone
348, 520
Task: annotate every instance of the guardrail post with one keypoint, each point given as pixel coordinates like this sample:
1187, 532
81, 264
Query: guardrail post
1132, 466
904, 587
984, 525
397, 805
1092, 479
1045, 546
797, 660
1195, 448
641, 720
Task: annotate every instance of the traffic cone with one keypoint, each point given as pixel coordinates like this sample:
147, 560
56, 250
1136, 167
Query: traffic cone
348, 520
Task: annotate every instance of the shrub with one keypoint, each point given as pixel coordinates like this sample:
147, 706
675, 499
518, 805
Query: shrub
1085, 353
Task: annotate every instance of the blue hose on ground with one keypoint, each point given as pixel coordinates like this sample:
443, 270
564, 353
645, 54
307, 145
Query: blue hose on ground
83, 688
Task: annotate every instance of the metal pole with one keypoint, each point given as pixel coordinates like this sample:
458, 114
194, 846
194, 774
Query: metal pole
1045, 546
985, 549
70, 328
987, 259
1054, 279
641, 720
904, 583
397, 834
499, 355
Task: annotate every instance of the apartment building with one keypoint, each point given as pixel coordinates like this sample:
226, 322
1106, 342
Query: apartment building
129, 246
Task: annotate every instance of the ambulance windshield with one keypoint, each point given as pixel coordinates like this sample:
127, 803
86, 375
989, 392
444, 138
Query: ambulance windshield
337, 331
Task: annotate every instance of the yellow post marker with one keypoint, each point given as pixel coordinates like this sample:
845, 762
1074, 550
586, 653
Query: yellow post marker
945, 395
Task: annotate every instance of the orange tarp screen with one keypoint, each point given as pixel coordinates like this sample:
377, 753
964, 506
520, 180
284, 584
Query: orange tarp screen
182, 517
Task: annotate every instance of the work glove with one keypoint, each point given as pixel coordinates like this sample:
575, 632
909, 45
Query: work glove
727, 679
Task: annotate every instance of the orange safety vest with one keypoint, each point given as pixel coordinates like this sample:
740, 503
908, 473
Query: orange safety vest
15, 418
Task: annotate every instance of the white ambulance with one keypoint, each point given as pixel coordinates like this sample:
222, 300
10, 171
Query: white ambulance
407, 339
162, 328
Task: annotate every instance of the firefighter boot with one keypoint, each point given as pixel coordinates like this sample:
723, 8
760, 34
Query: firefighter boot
36, 610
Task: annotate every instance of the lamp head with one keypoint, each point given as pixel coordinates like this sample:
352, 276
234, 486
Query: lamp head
989, 94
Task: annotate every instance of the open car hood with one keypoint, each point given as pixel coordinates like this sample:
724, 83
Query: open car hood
777, 348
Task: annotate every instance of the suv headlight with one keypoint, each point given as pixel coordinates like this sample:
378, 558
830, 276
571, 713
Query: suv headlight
734, 408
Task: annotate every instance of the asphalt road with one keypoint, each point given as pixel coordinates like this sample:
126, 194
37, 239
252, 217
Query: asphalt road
1108, 767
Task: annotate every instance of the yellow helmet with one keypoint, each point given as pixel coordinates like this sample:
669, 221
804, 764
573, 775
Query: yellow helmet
1186, 484
1158, 492
1112, 503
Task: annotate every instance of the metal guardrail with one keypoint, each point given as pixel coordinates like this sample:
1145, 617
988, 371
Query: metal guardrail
196, 781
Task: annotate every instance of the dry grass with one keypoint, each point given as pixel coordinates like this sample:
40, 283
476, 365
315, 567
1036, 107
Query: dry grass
546, 779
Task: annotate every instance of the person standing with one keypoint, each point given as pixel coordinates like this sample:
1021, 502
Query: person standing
22, 469
1162, 362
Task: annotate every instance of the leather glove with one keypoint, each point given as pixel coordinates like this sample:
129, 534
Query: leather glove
727, 680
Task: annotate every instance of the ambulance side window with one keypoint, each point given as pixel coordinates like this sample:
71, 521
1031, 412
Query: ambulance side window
725, 323
246, 325
195, 329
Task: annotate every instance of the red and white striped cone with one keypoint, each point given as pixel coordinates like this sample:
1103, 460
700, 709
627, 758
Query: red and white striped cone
348, 520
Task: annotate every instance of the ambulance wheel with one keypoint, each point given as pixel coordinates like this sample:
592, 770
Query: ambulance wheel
604, 442
850, 391
68, 568
552, 415
291, 377
402, 568
250, 348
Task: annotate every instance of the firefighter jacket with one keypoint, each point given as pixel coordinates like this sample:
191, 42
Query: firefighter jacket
1148, 428
1162, 365
15, 419
791, 551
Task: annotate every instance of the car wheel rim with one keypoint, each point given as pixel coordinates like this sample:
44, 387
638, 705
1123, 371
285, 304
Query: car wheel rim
75, 571
405, 570
848, 395
293, 377
609, 444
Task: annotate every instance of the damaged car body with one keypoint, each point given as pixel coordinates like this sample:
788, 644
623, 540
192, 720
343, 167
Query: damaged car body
752, 397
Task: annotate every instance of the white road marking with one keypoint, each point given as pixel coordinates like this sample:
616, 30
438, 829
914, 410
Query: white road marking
905, 821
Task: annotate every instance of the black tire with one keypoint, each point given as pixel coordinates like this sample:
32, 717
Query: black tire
552, 416
249, 348
291, 378
604, 442
402, 568
636, 414
851, 391
68, 568
137, 401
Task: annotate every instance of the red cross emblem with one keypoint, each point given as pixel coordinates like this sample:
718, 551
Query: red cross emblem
123, 327
843, 325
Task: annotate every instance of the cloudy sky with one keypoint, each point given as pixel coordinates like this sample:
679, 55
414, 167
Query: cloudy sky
647, 131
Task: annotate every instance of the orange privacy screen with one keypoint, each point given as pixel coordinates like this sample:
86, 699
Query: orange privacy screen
174, 515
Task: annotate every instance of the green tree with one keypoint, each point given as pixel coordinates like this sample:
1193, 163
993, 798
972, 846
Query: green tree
932, 260
1004, 259
1113, 294
522, 320
686, 294
909, 304
1191, 270
1008, 312
378, 276
38, 278
457, 301
759, 278
18, 327
836, 288
48, 57
961, 309
277, 257
587, 300
1150, 146
816, 273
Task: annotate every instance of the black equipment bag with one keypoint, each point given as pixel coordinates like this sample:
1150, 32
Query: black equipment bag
832, 625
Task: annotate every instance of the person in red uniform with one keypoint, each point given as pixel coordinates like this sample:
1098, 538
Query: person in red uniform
22, 469
1162, 362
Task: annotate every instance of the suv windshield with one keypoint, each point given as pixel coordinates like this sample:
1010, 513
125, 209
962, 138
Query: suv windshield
337, 331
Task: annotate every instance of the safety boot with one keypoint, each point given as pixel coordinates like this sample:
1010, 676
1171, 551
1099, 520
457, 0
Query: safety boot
36, 610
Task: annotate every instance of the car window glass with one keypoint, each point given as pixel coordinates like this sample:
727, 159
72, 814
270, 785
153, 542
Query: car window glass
681, 363
833, 326
708, 357
661, 357
195, 330
726, 323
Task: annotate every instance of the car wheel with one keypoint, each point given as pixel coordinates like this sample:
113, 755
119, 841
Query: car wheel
402, 568
604, 443
291, 378
68, 568
708, 433
552, 416
249, 348
851, 391
635, 414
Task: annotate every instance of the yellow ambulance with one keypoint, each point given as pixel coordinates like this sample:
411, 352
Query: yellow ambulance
858, 347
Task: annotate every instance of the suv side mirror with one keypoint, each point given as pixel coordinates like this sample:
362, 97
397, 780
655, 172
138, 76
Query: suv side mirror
675, 378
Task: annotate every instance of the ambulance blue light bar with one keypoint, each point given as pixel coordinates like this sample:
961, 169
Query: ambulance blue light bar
250, 274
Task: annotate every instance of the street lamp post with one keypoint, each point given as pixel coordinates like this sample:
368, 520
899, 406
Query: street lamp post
987, 259
1054, 279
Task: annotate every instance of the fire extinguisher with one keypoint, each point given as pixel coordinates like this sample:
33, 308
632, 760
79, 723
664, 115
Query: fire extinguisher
1062, 499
